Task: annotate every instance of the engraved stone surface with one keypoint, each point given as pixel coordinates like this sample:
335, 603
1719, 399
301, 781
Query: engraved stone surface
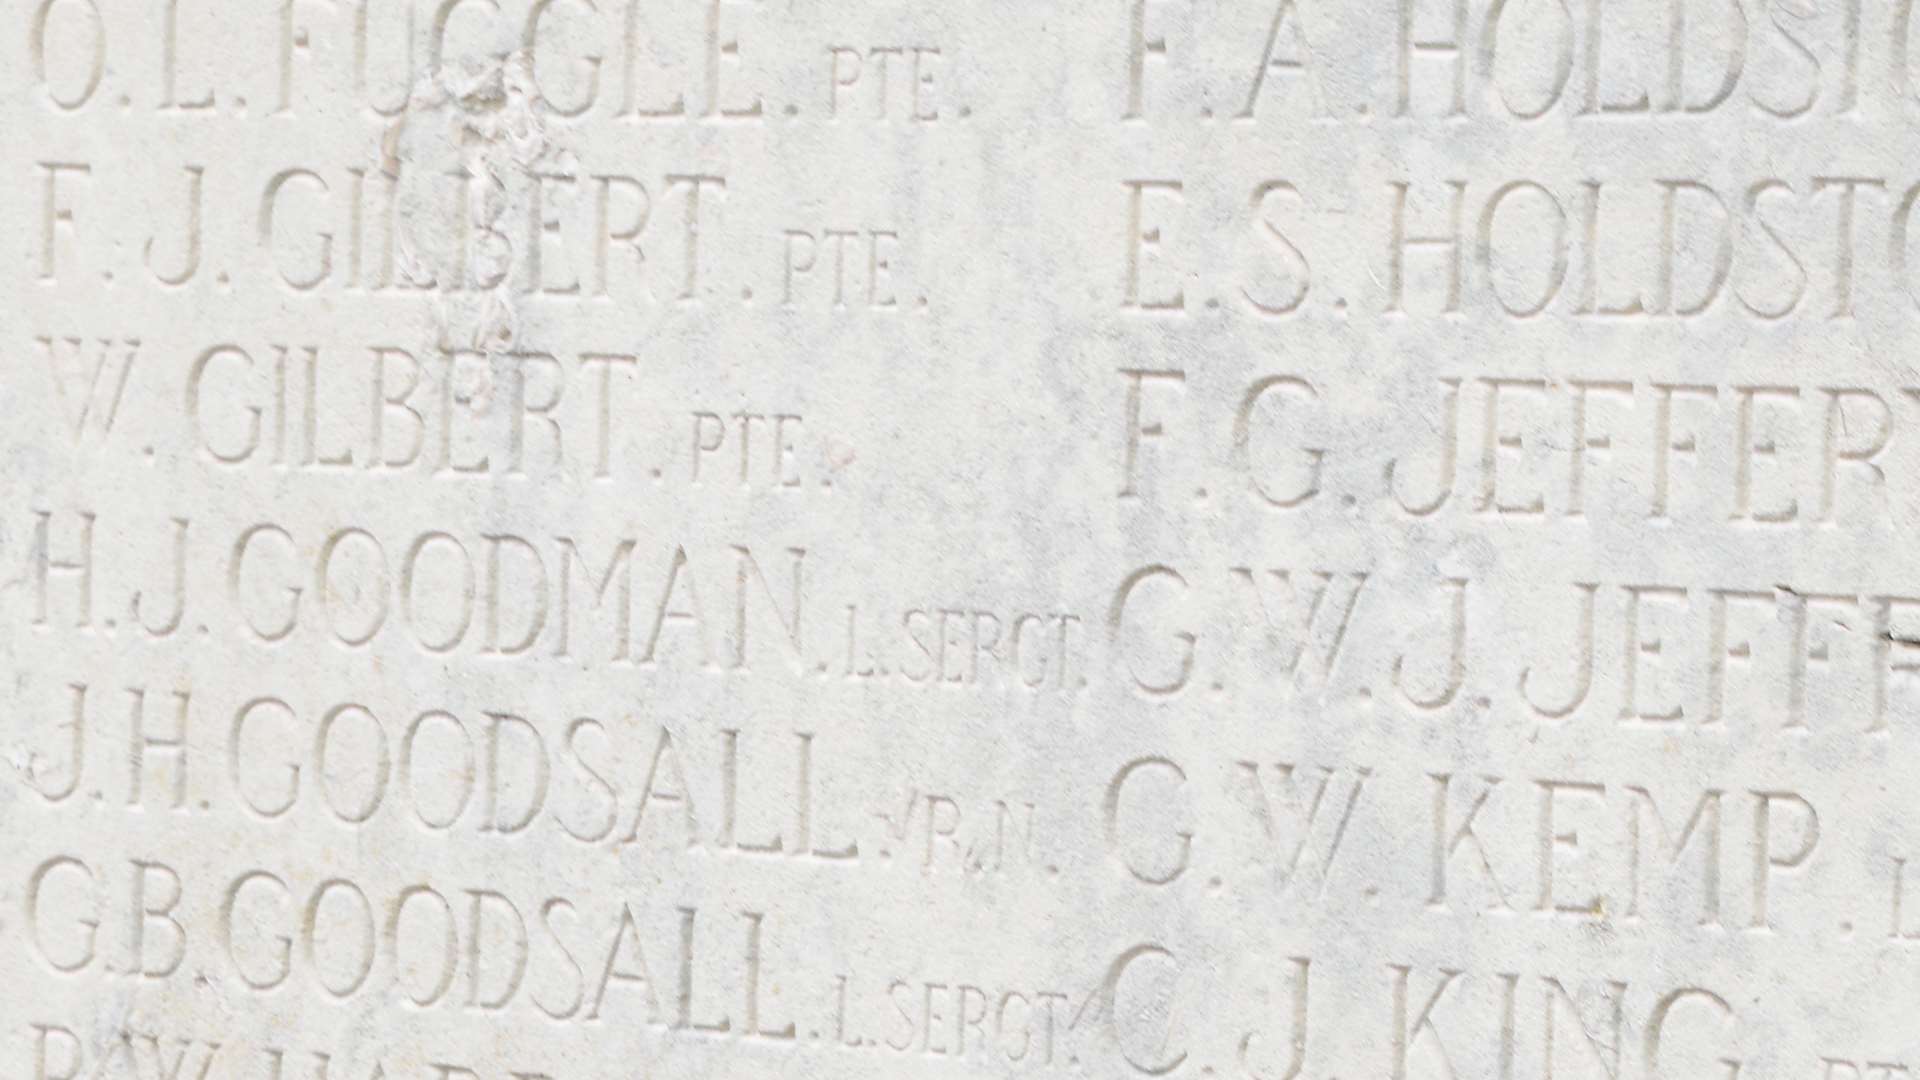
1274, 539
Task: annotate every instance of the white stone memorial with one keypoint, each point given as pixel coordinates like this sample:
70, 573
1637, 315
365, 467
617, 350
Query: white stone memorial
681, 539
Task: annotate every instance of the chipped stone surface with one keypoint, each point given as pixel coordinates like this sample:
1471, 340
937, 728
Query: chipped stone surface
1290, 540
